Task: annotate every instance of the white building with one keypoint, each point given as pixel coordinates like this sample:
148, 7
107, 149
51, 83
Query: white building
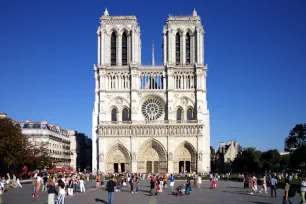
226, 154
54, 138
150, 118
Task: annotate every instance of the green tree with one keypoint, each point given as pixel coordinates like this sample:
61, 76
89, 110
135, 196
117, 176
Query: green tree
296, 137
11, 142
298, 156
247, 161
270, 160
285, 161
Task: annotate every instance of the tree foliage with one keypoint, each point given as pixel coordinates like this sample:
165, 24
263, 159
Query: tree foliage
15, 149
298, 156
297, 137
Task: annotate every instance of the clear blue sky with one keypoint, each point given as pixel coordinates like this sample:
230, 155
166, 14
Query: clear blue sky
255, 49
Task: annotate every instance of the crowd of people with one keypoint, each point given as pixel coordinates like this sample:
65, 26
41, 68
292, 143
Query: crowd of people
60, 185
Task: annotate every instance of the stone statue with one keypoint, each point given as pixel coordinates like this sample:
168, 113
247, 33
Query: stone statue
101, 157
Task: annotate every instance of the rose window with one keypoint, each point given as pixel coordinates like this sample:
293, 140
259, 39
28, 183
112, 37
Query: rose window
152, 109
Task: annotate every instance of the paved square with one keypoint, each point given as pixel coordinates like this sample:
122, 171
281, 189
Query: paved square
226, 193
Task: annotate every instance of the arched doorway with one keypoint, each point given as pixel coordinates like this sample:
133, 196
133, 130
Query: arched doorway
118, 159
152, 157
185, 158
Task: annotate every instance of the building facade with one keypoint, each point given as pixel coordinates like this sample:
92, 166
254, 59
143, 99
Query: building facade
81, 151
150, 118
226, 154
54, 138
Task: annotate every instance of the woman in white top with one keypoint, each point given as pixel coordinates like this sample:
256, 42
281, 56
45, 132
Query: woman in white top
61, 193
303, 190
82, 186
199, 181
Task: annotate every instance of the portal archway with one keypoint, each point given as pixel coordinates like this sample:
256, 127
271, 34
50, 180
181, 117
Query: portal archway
118, 159
152, 157
185, 158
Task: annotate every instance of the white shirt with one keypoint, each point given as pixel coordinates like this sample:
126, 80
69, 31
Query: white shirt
62, 191
81, 182
38, 178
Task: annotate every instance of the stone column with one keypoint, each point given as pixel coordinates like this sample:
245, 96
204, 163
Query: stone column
119, 49
99, 48
164, 49
181, 48
183, 60
192, 49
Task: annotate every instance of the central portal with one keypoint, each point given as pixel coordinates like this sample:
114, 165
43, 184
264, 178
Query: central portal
152, 157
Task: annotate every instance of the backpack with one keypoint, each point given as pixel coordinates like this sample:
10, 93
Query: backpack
292, 191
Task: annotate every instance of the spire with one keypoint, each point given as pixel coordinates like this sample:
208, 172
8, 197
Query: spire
194, 13
106, 12
153, 59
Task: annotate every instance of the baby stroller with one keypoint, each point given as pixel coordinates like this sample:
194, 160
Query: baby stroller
180, 191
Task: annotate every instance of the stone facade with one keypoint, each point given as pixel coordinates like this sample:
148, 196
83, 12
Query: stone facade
226, 154
54, 138
150, 118
81, 151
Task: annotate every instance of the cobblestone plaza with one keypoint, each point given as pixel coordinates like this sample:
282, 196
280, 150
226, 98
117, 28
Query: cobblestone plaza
226, 192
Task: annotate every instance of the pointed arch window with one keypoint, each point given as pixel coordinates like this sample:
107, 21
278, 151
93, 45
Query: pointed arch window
124, 49
190, 114
113, 49
187, 48
179, 114
114, 114
125, 114
177, 48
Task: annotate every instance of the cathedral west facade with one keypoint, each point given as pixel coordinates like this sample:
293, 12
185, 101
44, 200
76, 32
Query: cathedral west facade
150, 118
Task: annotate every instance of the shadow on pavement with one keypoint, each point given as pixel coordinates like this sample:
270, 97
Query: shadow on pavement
257, 202
100, 200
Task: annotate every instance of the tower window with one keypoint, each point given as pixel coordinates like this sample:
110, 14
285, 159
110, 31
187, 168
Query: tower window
114, 114
177, 48
179, 113
113, 49
187, 48
125, 114
189, 114
124, 49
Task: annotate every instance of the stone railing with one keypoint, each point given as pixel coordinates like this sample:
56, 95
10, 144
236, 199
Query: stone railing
158, 128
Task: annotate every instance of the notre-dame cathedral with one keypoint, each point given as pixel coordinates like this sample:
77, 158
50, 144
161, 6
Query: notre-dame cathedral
150, 118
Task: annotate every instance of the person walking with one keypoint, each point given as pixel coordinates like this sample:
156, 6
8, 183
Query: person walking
70, 187
303, 190
264, 185
51, 190
290, 192
18, 182
1, 190
273, 182
75, 183
61, 192
82, 184
172, 179
98, 181
110, 187
44, 183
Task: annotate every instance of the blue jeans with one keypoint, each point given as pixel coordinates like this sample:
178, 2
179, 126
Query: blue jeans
289, 201
110, 197
137, 187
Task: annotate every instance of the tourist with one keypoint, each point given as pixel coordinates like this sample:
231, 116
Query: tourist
98, 181
75, 183
82, 184
70, 187
61, 192
255, 184
172, 179
195, 182
118, 185
303, 190
137, 184
264, 185
34, 187
188, 187
51, 190
213, 183
153, 191
290, 192
165, 180
273, 183
159, 189
44, 183
132, 184
199, 181
1, 190
110, 186
18, 182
